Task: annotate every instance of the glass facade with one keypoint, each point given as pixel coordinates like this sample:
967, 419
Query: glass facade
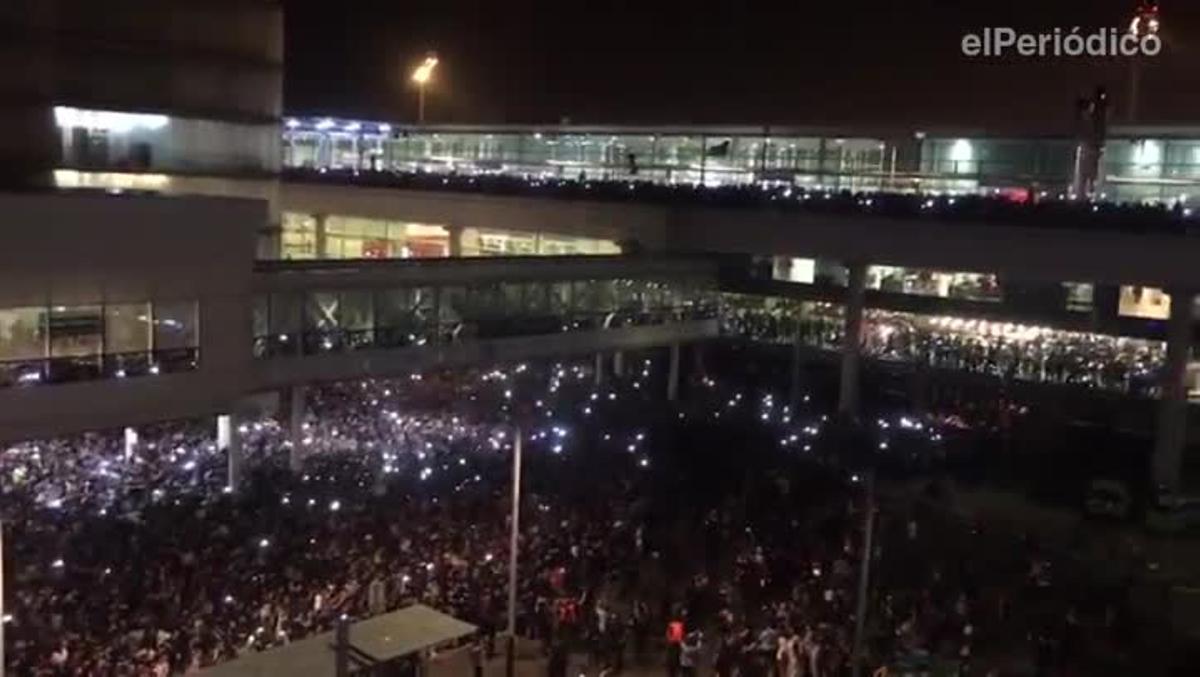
1152, 169
1149, 303
808, 271
1081, 296
985, 162
1133, 169
940, 284
312, 236
1158, 167
996, 349
496, 242
123, 141
782, 320
305, 323
62, 344
712, 157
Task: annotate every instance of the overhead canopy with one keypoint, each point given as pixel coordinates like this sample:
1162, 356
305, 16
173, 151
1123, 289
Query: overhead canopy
384, 638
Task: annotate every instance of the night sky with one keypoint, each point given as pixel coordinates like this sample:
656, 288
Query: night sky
884, 64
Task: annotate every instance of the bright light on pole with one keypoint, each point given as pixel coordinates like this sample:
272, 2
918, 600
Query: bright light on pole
513, 542
1145, 22
421, 75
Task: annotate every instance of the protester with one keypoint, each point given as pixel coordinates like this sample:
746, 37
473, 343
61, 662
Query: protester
1008, 352
141, 562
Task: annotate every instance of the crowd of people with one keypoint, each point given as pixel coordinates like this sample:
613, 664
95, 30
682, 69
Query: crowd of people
1041, 209
1007, 352
141, 559
729, 518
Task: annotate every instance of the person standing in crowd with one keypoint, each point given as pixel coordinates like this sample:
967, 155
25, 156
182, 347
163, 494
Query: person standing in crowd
556, 666
689, 654
477, 654
639, 621
675, 633
377, 596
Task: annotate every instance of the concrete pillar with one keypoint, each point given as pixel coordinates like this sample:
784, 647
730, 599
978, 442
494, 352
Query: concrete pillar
852, 339
131, 440
797, 347
456, 241
599, 370
919, 387
619, 364
378, 468
321, 238
295, 412
229, 440
1172, 408
673, 374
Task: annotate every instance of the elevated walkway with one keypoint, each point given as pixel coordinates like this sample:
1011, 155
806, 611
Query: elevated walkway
1052, 245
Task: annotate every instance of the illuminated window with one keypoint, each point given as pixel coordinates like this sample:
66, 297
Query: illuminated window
127, 328
176, 325
1145, 302
942, 284
794, 270
76, 331
22, 333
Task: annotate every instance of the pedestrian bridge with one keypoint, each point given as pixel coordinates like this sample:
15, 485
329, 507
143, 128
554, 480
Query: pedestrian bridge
305, 322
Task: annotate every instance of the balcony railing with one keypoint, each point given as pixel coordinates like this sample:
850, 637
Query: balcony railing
421, 333
74, 369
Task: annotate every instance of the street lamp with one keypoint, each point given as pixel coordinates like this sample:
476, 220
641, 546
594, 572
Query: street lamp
510, 657
1145, 22
421, 76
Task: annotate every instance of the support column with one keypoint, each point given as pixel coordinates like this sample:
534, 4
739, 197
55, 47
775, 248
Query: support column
919, 385
619, 364
321, 238
1172, 408
296, 410
456, 237
599, 371
673, 374
131, 440
852, 340
797, 347
229, 440
379, 467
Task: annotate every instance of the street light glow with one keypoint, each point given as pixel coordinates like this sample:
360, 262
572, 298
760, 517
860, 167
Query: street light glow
424, 72
1145, 20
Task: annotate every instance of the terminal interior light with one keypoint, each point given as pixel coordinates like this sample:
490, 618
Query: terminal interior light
1147, 153
1145, 19
962, 151
113, 121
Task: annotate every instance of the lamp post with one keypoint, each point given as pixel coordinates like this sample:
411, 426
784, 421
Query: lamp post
511, 655
864, 577
1145, 22
421, 75
2, 612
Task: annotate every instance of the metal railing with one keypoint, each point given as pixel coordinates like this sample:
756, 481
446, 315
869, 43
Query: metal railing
446, 332
78, 368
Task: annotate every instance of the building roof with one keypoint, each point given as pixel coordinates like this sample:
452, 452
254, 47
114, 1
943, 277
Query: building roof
384, 638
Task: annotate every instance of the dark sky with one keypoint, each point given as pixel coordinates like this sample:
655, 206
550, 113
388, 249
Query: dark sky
838, 62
